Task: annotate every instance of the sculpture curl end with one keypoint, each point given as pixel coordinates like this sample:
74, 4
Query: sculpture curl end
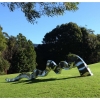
8, 80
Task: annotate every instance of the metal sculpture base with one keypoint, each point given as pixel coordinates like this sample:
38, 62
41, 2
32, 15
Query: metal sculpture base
75, 61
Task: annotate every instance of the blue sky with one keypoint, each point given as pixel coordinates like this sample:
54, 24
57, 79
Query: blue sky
15, 22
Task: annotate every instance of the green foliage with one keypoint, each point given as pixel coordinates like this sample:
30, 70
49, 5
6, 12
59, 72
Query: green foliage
70, 37
4, 64
20, 53
70, 31
88, 46
2, 41
25, 57
11, 47
68, 84
92, 41
59, 42
98, 37
27, 54
34, 10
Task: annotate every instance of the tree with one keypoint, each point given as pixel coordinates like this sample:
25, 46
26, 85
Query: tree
43, 54
24, 58
97, 49
92, 45
84, 48
11, 48
68, 38
98, 37
34, 10
4, 64
89, 45
20, 53
2, 41
58, 43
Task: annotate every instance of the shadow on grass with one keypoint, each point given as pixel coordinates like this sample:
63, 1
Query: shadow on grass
43, 80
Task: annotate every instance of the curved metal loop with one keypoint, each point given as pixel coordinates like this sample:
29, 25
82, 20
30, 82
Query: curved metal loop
75, 61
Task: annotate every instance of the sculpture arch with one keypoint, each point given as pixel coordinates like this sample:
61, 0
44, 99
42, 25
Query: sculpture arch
73, 61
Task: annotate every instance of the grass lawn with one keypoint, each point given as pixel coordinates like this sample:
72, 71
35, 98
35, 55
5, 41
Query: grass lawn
68, 84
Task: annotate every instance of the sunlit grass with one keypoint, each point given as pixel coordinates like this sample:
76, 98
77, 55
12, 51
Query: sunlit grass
68, 84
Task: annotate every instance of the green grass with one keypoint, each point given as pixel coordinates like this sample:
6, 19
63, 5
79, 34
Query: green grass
68, 84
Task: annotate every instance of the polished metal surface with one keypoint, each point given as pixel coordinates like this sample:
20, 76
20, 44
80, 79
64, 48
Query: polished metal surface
75, 61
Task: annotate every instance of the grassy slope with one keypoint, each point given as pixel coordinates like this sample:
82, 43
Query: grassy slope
65, 85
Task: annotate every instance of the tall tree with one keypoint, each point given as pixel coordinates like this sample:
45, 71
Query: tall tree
2, 41
68, 38
11, 48
24, 58
34, 10
10, 51
98, 47
4, 64
59, 42
89, 45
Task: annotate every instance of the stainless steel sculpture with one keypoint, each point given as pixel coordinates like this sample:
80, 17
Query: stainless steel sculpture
74, 61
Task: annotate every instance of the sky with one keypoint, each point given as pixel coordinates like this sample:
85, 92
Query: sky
13, 23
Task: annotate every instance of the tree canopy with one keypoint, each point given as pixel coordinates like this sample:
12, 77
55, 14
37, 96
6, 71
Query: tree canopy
4, 64
19, 53
34, 10
68, 38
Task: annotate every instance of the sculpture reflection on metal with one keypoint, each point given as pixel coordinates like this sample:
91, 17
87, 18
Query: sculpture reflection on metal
73, 61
